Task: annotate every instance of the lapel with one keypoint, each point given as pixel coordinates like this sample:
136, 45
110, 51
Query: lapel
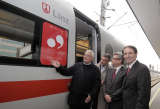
119, 73
100, 68
109, 75
103, 73
132, 72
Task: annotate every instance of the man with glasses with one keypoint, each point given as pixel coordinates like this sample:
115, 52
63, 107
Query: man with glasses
113, 83
85, 81
103, 65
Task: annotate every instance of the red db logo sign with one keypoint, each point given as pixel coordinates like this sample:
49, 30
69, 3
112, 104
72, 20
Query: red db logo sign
45, 8
54, 44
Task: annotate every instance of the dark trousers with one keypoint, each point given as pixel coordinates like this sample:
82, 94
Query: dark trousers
95, 102
115, 105
84, 106
77, 101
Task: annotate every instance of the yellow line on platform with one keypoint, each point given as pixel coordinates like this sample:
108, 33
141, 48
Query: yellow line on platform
154, 96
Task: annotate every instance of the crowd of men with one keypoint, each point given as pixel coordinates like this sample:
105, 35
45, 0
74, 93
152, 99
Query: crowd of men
125, 84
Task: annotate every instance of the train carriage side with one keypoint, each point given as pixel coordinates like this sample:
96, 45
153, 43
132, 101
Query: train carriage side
109, 43
31, 34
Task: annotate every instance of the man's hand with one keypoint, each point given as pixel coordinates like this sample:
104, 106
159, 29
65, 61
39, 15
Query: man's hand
88, 99
55, 63
102, 81
107, 98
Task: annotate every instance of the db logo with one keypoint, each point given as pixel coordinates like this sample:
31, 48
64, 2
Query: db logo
45, 8
52, 42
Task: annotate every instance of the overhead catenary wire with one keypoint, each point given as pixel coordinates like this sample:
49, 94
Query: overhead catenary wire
117, 20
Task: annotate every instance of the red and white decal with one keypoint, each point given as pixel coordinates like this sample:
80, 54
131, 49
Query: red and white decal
54, 44
46, 7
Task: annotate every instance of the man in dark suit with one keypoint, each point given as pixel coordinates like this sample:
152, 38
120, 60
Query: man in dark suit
137, 84
113, 83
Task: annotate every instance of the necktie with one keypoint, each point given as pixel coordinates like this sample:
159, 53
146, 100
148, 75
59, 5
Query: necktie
128, 70
114, 74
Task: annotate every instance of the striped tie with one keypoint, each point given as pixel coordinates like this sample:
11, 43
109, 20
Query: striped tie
114, 74
128, 70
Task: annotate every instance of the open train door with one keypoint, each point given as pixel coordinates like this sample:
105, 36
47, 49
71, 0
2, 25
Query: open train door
87, 37
147, 13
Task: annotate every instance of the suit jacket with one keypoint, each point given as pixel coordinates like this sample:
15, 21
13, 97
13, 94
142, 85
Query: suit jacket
137, 87
103, 73
113, 87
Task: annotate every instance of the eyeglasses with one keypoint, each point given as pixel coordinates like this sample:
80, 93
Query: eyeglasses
87, 55
116, 58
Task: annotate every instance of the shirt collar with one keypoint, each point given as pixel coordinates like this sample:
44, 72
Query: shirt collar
87, 64
117, 68
131, 65
102, 65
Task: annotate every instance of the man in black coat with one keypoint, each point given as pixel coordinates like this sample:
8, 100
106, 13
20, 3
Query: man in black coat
137, 84
85, 82
113, 83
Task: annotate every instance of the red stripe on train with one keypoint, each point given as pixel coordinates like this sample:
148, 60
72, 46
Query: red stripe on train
18, 90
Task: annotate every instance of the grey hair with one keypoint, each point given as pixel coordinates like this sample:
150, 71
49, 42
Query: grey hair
90, 51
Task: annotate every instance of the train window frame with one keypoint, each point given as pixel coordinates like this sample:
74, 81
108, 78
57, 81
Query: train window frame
109, 49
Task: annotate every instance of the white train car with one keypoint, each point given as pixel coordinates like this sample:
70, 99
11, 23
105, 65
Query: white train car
34, 32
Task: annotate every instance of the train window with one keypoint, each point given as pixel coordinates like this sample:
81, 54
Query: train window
16, 35
109, 49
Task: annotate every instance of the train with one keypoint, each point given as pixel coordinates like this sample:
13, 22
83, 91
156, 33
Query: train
34, 32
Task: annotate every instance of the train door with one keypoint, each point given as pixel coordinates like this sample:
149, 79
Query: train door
87, 37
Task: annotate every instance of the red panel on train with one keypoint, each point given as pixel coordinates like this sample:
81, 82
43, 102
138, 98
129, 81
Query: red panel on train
54, 44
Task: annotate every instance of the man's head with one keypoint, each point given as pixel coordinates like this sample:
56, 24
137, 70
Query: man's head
105, 59
88, 56
117, 59
129, 54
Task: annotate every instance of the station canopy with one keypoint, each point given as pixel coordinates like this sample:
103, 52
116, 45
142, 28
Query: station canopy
147, 13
